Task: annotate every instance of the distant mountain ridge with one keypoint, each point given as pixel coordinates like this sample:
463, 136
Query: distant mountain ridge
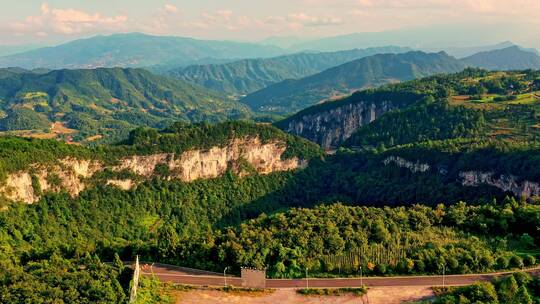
135, 50
249, 75
106, 101
511, 58
462, 52
293, 95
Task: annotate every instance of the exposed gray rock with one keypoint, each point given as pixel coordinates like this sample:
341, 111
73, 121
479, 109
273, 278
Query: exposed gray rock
403, 163
504, 182
332, 127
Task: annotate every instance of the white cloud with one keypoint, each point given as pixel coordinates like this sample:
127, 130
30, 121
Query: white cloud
276, 17
304, 19
66, 21
170, 8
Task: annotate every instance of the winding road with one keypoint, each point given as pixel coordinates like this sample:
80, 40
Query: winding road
167, 273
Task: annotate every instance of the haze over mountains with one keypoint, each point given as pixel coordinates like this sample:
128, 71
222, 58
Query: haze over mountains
136, 50
168, 52
427, 38
511, 58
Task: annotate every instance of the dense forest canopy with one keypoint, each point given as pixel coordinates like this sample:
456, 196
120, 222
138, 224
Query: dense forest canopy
391, 201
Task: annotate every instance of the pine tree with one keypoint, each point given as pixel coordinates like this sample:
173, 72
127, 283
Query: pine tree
117, 263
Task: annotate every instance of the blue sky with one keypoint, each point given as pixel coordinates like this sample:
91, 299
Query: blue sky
52, 21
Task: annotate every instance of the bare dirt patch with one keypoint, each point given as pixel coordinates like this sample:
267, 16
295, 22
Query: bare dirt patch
378, 295
94, 138
40, 135
395, 295
59, 128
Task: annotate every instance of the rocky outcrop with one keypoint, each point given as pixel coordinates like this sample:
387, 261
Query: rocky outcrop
329, 128
403, 163
71, 175
197, 164
124, 184
18, 187
67, 175
507, 183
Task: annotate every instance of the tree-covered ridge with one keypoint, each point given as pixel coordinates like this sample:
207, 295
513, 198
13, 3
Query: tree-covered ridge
20, 153
291, 96
469, 82
472, 103
249, 75
107, 102
476, 104
429, 120
180, 137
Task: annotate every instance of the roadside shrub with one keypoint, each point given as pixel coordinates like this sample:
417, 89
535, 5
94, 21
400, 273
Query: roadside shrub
516, 261
529, 260
502, 262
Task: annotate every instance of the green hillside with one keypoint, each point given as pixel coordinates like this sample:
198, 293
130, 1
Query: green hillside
291, 96
249, 75
106, 102
497, 105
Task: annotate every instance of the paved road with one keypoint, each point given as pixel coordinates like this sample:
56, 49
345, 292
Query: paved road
170, 274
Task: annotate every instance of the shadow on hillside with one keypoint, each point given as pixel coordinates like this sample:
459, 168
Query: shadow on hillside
360, 180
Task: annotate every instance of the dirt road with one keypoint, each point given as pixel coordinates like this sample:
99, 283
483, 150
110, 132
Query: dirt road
170, 274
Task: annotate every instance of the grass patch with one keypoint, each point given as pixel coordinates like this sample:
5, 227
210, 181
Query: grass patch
251, 291
360, 291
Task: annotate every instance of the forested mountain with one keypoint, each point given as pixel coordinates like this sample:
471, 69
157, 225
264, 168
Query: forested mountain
426, 109
135, 50
105, 102
290, 96
249, 75
511, 58
391, 200
8, 72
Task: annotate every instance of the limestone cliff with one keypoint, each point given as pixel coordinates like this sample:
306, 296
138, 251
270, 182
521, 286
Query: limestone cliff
505, 182
72, 175
403, 163
196, 164
331, 127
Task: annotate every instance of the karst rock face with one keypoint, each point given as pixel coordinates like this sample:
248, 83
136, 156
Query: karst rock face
329, 128
71, 175
509, 183
504, 182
